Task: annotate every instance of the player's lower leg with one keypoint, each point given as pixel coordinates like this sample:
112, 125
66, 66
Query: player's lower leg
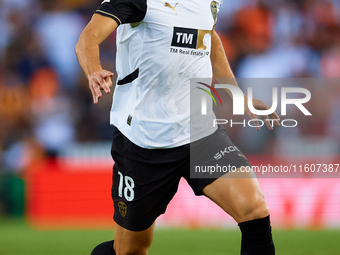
240, 195
105, 248
133, 242
257, 237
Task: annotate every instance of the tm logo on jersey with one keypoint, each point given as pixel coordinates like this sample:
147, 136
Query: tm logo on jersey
190, 38
185, 37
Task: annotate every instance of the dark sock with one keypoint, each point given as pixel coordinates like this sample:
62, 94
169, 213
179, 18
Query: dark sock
105, 248
257, 237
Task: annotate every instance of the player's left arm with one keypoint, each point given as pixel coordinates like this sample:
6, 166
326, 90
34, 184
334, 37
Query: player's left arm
221, 69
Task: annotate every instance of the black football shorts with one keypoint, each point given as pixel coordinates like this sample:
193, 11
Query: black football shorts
145, 180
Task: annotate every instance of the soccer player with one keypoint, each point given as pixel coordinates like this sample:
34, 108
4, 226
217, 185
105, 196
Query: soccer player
161, 45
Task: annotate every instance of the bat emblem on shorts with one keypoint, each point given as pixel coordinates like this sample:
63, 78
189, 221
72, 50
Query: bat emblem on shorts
172, 7
122, 208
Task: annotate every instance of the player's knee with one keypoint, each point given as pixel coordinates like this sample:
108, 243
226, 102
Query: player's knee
253, 208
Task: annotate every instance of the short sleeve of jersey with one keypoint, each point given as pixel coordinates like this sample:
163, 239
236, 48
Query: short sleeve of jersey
123, 11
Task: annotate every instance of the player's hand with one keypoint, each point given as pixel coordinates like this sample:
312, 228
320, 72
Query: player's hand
100, 80
268, 119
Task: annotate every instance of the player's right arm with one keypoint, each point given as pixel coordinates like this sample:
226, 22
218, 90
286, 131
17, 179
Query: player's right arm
87, 50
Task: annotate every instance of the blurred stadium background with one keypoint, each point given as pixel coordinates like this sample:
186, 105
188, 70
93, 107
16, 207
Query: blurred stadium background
54, 144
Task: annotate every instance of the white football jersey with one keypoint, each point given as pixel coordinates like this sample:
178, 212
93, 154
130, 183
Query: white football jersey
160, 46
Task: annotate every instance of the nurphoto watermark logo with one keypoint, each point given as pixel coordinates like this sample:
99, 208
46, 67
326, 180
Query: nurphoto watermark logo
225, 114
238, 99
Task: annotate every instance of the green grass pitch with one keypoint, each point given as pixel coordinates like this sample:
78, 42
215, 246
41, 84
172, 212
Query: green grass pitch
17, 238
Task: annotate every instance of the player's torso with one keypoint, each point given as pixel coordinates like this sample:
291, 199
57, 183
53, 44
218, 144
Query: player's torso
169, 46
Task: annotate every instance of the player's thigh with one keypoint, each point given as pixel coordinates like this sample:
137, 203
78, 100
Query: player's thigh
133, 242
239, 194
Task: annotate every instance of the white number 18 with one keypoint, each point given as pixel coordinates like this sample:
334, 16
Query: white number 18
129, 193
